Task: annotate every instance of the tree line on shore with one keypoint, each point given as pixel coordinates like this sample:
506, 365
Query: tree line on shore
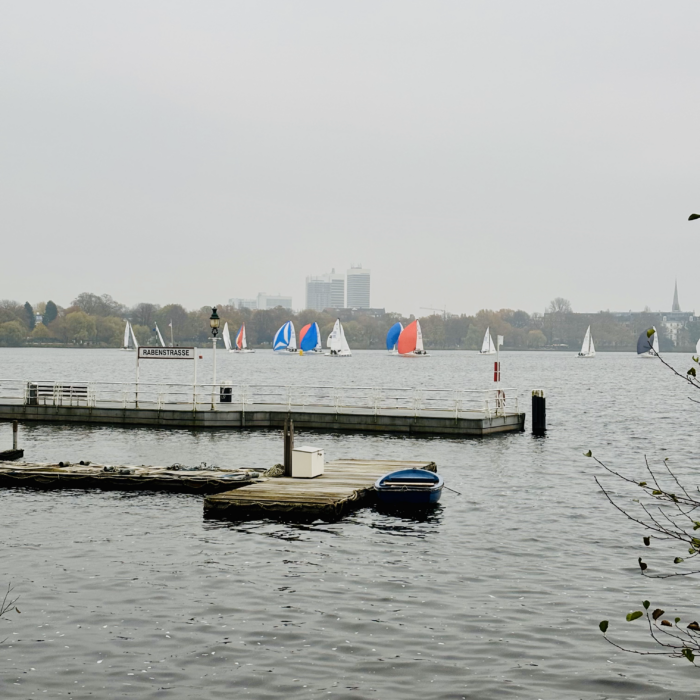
99, 321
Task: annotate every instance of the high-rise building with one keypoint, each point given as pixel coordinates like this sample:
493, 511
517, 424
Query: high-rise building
325, 292
358, 288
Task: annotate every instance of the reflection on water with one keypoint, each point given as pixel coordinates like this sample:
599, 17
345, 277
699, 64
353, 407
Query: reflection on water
496, 593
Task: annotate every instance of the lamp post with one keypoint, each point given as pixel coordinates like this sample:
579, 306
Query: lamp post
214, 322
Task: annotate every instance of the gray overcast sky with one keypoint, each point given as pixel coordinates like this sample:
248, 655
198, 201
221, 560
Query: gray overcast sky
473, 154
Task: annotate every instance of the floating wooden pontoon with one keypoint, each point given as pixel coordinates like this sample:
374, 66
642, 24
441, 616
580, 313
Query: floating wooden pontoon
345, 485
124, 477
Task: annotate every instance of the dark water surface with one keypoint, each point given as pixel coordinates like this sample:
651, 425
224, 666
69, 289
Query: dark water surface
497, 594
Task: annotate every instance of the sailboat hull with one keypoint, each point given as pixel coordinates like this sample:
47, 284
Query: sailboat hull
487, 352
585, 355
413, 354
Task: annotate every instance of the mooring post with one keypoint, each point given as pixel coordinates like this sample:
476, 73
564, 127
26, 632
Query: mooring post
285, 451
290, 448
14, 434
539, 413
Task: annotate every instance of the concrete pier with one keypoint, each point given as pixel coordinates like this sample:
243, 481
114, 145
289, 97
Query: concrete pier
422, 423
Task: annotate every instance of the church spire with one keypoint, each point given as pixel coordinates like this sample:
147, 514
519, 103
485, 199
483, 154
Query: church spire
676, 305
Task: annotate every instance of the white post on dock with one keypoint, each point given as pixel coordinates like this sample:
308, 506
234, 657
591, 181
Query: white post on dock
213, 386
194, 382
137, 377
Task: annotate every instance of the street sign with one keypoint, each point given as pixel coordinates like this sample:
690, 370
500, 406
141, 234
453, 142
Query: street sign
158, 353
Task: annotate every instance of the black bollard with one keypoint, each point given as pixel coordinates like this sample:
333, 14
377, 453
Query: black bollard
288, 445
14, 434
539, 413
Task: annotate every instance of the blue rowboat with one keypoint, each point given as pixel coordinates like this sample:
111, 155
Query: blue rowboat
409, 487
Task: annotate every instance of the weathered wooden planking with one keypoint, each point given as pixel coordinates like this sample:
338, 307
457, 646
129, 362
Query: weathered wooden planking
346, 484
123, 477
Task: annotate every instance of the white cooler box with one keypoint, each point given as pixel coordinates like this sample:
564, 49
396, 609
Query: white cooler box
307, 462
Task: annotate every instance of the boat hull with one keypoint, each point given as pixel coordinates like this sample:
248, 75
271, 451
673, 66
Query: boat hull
585, 356
409, 498
413, 354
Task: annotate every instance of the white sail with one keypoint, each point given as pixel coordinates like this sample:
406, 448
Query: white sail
334, 338
160, 337
292, 339
587, 349
133, 337
126, 336
344, 347
697, 348
487, 347
227, 337
419, 338
244, 344
655, 344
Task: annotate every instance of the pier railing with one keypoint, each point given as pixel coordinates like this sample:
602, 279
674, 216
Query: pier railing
249, 397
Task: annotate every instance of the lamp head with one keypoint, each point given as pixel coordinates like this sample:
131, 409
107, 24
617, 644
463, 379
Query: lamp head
214, 321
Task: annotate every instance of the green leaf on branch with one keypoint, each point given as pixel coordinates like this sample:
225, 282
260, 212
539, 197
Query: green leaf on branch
634, 615
692, 372
588, 454
656, 492
657, 613
603, 626
678, 560
677, 620
642, 483
650, 332
646, 604
696, 525
688, 655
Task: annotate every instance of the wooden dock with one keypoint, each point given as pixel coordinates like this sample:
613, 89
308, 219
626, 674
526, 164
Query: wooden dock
346, 484
122, 477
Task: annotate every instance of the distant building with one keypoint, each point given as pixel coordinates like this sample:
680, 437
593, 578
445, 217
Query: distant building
675, 320
263, 302
348, 314
325, 291
358, 288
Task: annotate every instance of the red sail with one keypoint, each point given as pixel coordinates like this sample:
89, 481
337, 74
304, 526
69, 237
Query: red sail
302, 333
407, 339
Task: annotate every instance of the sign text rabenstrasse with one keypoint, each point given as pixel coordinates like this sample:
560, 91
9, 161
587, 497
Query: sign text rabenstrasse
156, 353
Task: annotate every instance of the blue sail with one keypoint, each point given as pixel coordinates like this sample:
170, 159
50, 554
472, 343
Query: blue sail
392, 337
310, 340
282, 337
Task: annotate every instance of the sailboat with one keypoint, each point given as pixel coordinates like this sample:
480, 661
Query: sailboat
310, 339
337, 344
241, 344
587, 349
285, 340
487, 347
697, 348
411, 341
227, 337
129, 338
648, 346
160, 337
392, 337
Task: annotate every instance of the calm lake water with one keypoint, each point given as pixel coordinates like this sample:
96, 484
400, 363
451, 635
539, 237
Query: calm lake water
496, 594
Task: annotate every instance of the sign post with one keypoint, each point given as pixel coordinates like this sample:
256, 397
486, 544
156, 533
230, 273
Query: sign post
147, 352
